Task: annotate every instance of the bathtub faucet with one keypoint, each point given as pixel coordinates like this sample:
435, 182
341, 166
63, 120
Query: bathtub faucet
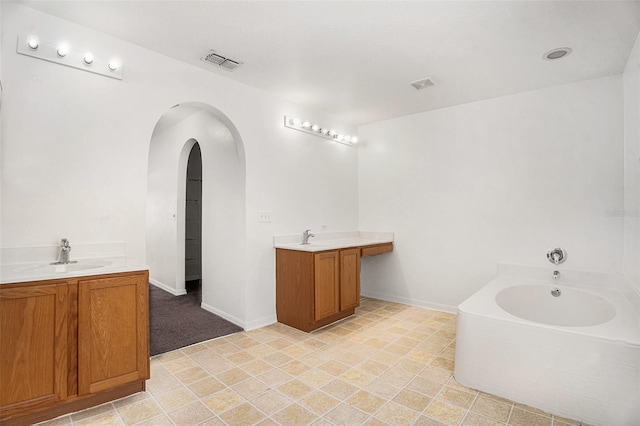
557, 255
556, 275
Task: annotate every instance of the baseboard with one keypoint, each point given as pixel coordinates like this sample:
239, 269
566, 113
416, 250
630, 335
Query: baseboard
167, 288
411, 302
228, 317
261, 322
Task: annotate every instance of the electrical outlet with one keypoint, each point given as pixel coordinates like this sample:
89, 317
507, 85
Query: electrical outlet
264, 216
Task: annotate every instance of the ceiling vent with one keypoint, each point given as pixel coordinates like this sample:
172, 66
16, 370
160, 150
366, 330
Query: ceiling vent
422, 83
216, 59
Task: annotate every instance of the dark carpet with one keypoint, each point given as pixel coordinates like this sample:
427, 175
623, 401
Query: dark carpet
179, 321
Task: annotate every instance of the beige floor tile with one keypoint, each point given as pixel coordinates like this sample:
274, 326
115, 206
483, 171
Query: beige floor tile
318, 402
260, 350
333, 367
191, 375
161, 420
206, 387
411, 366
436, 374
532, 409
179, 364
386, 358
420, 356
162, 384
271, 402
445, 364
90, 412
457, 397
226, 349
397, 349
157, 370
280, 343
339, 389
239, 358
294, 389
427, 421
520, 417
213, 421
109, 418
176, 398
382, 389
295, 367
345, 414
561, 421
475, 419
357, 377
190, 350
233, 376
491, 408
250, 388
396, 414
396, 376
140, 411
445, 412
411, 399
140, 396
245, 414
191, 414
315, 378
294, 415
246, 342
297, 350
425, 386
169, 356
256, 367
277, 358
366, 401
222, 401
372, 367
274, 377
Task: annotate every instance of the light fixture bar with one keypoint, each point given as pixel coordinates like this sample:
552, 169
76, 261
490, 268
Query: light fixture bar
317, 130
63, 54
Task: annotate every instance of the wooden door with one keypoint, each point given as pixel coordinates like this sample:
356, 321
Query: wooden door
113, 332
33, 340
326, 285
349, 278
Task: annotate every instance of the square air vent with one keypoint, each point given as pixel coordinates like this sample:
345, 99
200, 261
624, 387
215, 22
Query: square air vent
223, 62
422, 83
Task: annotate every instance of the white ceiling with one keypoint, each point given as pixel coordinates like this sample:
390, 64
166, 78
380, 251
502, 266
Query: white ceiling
354, 59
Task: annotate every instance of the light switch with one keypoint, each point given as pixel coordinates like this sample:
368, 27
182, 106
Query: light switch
264, 216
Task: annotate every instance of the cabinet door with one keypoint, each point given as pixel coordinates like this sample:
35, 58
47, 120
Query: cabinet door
326, 285
349, 278
113, 332
33, 337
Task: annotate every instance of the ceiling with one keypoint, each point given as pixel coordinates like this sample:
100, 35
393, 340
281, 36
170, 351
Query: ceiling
354, 59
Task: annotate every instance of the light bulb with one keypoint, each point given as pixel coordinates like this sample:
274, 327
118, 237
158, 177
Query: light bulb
340, 137
113, 65
32, 43
306, 124
62, 51
88, 58
332, 132
347, 138
296, 121
354, 139
324, 131
315, 127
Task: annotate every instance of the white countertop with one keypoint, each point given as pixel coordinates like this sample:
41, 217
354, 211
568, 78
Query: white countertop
332, 240
39, 271
25, 264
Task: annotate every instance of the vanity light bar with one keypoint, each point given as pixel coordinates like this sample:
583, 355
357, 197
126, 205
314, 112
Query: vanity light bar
317, 130
62, 54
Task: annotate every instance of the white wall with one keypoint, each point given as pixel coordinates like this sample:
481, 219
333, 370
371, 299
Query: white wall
75, 151
631, 211
501, 180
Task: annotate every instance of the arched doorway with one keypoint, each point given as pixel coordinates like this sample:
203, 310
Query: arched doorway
193, 224
223, 206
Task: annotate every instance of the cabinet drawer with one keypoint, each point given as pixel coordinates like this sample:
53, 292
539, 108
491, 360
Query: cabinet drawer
379, 249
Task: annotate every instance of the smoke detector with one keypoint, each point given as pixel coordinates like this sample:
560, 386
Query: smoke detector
223, 62
423, 83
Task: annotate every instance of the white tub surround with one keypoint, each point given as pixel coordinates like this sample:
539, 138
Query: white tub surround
27, 264
332, 240
585, 372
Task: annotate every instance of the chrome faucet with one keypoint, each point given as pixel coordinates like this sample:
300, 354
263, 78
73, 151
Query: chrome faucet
556, 275
557, 255
305, 236
65, 248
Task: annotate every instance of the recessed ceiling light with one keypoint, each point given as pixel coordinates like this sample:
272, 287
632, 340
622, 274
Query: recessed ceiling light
557, 53
422, 83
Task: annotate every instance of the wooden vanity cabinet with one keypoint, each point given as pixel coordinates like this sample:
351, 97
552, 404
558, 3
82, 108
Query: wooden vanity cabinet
71, 344
314, 289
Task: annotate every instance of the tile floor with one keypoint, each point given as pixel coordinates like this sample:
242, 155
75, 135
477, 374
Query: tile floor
390, 364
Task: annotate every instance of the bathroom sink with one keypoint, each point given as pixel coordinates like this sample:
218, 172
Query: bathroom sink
69, 267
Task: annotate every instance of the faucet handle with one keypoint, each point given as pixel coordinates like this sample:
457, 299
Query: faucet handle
557, 255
